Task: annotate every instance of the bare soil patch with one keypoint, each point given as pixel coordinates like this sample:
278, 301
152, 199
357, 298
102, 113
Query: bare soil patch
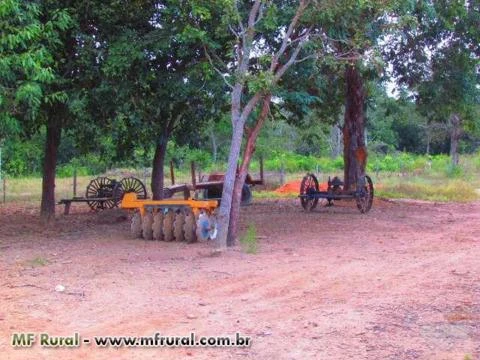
402, 282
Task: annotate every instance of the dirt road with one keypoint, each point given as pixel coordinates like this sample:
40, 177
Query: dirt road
402, 282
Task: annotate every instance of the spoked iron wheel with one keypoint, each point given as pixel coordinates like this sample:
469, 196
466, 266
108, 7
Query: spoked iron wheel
132, 184
365, 200
103, 187
308, 188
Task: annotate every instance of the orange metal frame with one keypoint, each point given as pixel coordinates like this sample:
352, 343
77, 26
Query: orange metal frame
130, 201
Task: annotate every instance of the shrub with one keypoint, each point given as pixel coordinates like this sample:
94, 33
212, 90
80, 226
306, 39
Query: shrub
249, 240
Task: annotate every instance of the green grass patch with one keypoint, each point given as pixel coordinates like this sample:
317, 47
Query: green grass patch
273, 195
249, 240
37, 262
421, 189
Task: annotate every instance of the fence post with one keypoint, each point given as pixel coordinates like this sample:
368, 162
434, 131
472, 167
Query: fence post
74, 182
145, 176
4, 189
172, 174
282, 174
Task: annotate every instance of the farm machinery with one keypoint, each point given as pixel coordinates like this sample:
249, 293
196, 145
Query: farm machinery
173, 218
105, 193
188, 219
310, 193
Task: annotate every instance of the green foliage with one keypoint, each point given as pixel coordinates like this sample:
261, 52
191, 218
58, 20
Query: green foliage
30, 37
249, 240
454, 171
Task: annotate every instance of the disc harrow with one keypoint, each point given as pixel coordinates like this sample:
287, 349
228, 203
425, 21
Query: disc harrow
172, 219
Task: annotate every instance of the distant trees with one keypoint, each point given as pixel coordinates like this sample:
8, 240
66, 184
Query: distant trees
436, 56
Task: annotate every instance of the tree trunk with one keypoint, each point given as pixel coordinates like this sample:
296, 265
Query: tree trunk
354, 150
455, 134
336, 141
243, 171
54, 131
158, 177
428, 133
224, 213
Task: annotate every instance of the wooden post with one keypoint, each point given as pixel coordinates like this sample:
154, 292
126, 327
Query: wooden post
282, 174
4, 189
262, 179
194, 179
75, 182
172, 174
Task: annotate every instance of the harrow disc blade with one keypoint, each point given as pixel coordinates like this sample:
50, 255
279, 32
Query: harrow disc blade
157, 226
206, 227
147, 230
168, 220
178, 226
136, 225
190, 227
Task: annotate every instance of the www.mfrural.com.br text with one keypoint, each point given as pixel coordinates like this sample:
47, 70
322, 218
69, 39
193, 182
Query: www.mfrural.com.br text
46, 340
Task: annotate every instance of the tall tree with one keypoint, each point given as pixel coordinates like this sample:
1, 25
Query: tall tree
268, 39
37, 49
155, 70
354, 31
436, 57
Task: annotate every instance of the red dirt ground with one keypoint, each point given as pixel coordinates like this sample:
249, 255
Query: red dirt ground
402, 282
293, 187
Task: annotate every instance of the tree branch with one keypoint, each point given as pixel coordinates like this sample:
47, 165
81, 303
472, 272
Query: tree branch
223, 75
300, 10
248, 108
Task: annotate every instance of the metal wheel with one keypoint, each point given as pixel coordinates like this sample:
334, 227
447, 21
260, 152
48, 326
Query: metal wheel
103, 187
178, 226
309, 187
189, 228
168, 220
365, 198
206, 227
136, 225
157, 226
147, 230
132, 184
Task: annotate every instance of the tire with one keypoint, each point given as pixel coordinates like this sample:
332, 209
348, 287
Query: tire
246, 195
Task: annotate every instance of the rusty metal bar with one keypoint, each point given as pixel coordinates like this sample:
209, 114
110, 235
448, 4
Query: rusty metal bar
194, 179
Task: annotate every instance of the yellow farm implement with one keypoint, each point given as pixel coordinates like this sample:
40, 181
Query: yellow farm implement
172, 219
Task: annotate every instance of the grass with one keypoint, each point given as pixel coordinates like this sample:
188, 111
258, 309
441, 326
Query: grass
37, 262
249, 240
427, 189
437, 181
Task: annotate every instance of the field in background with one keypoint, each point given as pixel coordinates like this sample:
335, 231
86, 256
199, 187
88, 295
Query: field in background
400, 176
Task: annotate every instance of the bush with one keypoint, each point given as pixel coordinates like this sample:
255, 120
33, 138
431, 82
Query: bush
249, 240
454, 171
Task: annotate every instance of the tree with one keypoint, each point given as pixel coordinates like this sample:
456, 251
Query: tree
268, 40
155, 70
436, 57
37, 48
354, 31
